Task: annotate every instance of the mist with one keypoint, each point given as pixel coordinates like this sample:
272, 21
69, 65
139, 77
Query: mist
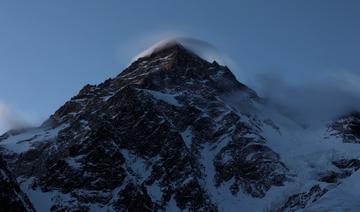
202, 48
311, 99
10, 120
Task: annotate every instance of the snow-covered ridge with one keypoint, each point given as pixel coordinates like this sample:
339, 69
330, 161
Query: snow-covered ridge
22, 142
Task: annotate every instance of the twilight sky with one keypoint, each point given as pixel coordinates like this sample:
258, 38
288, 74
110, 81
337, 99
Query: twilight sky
49, 49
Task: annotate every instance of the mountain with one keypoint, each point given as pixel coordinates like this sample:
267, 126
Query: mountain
174, 132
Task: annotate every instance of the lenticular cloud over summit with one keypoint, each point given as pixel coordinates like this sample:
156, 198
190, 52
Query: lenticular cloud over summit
201, 48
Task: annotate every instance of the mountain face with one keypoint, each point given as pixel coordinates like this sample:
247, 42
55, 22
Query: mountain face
174, 132
11, 197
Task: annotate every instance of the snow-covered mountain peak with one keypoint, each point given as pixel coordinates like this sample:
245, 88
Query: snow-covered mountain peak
194, 46
163, 133
167, 45
174, 132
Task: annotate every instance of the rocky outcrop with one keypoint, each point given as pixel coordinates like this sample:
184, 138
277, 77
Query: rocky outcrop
299, 201
11, 197
347, 127
344, 169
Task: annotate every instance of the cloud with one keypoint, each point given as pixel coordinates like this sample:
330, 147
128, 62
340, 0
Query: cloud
134, 45
9, 119
140, 45
311, 98
200, 47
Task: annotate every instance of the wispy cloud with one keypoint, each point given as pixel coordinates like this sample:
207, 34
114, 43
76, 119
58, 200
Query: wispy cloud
143, 44
9, 119
312, 98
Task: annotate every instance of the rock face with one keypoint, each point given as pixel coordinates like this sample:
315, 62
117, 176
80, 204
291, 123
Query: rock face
347, 127
300, 201
344, 169
162, 135
11, 197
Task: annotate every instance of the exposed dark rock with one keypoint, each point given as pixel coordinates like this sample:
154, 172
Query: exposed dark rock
11, 197
333, 177
347, 127
301, 200
352, 164
345, 168
133, 199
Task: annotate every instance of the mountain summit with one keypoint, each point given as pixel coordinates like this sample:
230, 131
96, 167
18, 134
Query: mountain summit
164, 47
172, 132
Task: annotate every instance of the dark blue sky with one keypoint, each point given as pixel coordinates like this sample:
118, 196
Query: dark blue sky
50, 49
